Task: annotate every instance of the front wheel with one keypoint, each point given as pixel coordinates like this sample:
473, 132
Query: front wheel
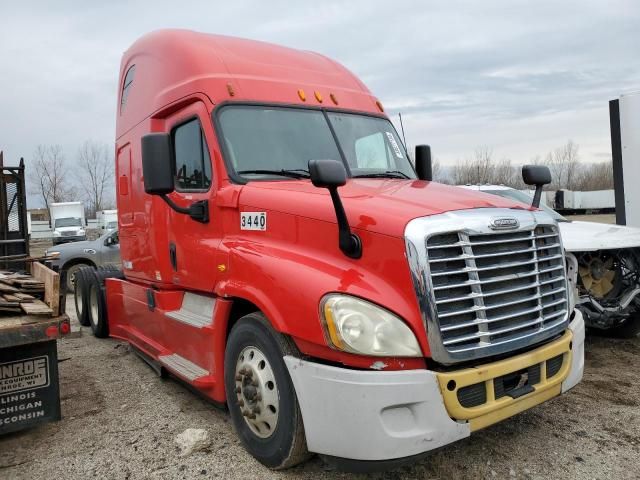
260, 395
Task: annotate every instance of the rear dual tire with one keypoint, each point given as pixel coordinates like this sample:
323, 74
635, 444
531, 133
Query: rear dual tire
90, 298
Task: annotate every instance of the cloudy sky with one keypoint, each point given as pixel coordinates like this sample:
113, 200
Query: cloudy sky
520, 77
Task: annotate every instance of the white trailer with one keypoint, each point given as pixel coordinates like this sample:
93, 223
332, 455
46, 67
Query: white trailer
68, 222
624, 116
107, 220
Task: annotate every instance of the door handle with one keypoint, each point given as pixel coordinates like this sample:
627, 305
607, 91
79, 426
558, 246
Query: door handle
173, 256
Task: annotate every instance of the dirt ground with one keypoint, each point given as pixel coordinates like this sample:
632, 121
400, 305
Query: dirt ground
120, 422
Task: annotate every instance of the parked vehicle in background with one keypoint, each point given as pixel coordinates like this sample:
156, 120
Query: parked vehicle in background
72, 256
607, 259
68, 222
284, 257
107, 219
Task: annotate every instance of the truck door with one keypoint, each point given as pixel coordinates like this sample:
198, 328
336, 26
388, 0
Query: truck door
191, 244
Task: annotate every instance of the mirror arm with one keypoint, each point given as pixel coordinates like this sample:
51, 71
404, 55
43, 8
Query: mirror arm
199, 211
536, 196
349, 243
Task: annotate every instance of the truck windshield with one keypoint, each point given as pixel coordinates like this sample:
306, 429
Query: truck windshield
68, 222
264, 142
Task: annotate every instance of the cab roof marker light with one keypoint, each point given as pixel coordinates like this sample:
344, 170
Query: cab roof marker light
318, 96
333, 98
302, 95
379, 105
230, 89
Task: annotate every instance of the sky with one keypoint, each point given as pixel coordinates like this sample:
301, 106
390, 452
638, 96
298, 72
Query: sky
519, 77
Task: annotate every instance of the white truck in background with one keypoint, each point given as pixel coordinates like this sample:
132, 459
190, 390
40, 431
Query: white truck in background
107, 220
68, 222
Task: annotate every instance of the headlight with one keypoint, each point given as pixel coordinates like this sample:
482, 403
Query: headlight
357, 326
54, 254
80, 232
56, 233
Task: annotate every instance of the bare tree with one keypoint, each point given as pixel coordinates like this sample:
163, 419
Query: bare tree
563, 162
474, 170
595, 176
95, 173
49, 174
482, 169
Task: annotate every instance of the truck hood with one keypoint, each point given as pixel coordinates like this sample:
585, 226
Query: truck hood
378, 205
591, 236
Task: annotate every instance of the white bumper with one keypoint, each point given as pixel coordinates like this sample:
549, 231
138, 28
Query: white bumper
577, 359
372, 415
363, 415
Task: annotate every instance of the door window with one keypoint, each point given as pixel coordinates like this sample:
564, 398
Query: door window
192, 161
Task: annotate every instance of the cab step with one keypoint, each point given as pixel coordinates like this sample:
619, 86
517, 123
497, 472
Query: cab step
186, 369
196, 310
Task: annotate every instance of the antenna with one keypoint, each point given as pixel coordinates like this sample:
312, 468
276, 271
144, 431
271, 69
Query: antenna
402, 128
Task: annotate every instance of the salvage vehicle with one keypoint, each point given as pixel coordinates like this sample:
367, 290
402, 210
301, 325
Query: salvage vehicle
607, 260
70, 257
282, 256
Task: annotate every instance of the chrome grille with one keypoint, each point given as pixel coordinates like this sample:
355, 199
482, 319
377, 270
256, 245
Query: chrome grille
486, 292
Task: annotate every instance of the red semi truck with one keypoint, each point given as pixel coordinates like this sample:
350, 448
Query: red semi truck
283, 256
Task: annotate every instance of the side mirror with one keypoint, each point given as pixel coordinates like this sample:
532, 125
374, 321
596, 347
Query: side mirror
538, 175
327, 173
331, 174
157, 170
423, 162
108, 241
156, 164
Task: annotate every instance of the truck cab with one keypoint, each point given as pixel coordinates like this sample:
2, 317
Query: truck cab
281, 255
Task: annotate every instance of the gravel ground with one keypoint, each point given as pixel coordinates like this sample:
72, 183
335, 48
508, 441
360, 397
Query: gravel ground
120, 422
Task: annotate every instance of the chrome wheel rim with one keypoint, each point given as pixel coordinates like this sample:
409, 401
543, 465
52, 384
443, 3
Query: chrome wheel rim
93, 304
257, 392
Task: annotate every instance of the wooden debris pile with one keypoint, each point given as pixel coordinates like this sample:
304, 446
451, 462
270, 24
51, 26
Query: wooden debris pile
22, 293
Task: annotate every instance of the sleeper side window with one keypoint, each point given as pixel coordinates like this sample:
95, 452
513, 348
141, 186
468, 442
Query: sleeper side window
193, 164
126, 86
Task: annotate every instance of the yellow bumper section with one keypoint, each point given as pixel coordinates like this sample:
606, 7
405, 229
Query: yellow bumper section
494, 376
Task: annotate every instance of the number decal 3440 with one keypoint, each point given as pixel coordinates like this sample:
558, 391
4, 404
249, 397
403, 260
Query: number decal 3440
253, 221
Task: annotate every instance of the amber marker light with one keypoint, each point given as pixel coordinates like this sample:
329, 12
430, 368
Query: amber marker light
318, 96
302, 95
379, 105
333, 98
230, 89
331, 327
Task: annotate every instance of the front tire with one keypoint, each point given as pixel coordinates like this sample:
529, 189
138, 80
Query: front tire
72, 273
260, 395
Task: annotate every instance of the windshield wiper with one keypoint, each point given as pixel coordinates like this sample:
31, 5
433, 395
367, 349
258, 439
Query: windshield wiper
292, 173
387, 174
